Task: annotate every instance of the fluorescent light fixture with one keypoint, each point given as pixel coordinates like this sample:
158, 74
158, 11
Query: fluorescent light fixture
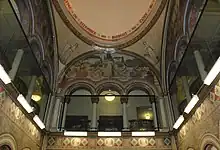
38, 122
178, 122
149, 133
75, 133
109, 133
191, 104
4, 76
24, 103
213, 73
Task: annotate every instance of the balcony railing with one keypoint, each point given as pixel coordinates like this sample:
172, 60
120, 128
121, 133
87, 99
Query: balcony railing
78, 114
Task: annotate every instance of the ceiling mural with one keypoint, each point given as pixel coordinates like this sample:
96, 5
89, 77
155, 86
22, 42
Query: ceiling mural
69, 4
116, 24
101, 66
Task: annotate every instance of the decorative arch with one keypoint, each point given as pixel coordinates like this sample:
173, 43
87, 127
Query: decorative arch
74, 86
209, 139
170, 72
8, 139
147, 87
186, 16
26, 15
112, 85
180, 48
37, 47
191, 15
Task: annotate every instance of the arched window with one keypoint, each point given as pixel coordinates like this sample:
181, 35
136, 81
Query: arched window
79, 110
140, 112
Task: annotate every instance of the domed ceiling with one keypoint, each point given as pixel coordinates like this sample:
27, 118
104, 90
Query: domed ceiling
113, 23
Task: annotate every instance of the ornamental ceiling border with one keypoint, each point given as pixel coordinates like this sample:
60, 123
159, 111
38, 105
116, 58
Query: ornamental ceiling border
151, 23
104, 37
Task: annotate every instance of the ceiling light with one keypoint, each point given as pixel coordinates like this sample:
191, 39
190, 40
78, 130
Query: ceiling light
147, 116
38, 122
213, 73
108, 134
178, 122
75, 133
4, 76
109, 97
149, 133
36, 96
191, 104
24, 103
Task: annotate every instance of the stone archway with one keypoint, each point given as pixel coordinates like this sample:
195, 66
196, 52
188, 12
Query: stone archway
209, 141
8, 141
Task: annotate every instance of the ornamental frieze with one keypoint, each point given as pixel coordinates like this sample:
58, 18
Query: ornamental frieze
61, 142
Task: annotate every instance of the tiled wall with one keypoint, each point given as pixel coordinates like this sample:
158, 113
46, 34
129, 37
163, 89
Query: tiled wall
14, 123
204, 125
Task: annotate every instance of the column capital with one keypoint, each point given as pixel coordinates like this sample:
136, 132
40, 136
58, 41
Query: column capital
152, 99
95, 99
124, 99
59, 97
160, 98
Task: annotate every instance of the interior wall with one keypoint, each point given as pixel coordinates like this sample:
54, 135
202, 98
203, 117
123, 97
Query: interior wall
204, 126
15, 129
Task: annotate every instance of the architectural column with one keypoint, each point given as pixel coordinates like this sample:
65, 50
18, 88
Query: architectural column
49, 110
65, 106
170, 112
56, 113
200, 64
163, 113
186, 88
43, 109
124, 101
95, 100
16, 64
31, 88
153, 103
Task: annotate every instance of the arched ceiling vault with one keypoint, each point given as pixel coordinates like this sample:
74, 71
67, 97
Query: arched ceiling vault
119, 26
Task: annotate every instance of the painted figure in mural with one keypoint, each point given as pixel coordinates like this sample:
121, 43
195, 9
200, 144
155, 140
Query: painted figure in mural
68, 49
150, 52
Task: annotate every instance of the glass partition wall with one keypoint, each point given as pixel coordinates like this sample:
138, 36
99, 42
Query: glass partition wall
200, 55
18, 60
109, 113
